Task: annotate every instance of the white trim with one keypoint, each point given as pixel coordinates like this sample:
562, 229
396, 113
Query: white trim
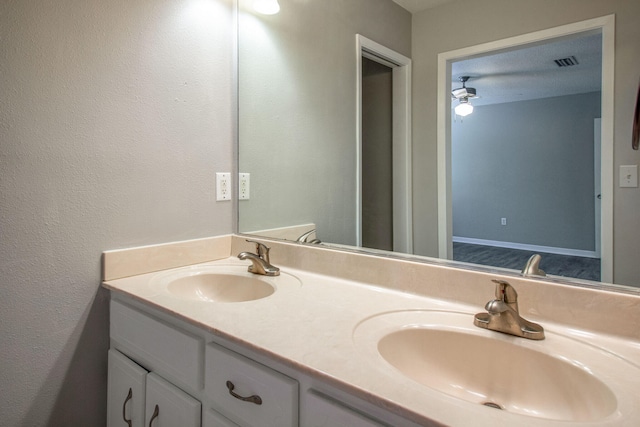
607, 143
443, 154
358, 141
402, 171
597, 182
607, 25
527, 247
376, 58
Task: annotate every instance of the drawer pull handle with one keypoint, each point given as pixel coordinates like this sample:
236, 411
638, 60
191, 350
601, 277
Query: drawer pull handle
156, 413
253, 399
124, 406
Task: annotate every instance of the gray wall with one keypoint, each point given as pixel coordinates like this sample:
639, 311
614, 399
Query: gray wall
114, 117
532, 163
298, 110
497, 19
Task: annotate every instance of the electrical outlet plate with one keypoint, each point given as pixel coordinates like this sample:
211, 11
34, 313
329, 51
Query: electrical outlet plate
243, 186
223, 186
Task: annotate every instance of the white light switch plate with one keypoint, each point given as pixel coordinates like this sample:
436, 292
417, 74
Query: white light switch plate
628, 175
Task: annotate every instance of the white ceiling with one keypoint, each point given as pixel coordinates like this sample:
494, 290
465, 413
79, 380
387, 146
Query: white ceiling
528, 72
531, 73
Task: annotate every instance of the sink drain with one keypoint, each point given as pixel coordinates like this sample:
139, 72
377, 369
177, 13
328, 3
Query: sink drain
493, 405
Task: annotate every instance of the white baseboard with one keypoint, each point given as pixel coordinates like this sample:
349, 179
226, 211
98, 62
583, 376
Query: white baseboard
526, 247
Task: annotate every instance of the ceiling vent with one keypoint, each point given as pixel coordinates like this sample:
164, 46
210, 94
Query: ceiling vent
566, 62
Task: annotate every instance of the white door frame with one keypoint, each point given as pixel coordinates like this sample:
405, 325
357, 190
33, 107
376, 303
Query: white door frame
597, 193
607, 25
401, 145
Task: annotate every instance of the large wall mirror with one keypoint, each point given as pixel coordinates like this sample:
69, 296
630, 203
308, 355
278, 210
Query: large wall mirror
350, 133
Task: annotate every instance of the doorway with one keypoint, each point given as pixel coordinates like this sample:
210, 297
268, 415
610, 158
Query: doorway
606, 26
377, 155
396, 178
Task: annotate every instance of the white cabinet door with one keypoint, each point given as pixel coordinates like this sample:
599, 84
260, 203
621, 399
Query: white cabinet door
168, 406
322, 411
211, 418
126, 396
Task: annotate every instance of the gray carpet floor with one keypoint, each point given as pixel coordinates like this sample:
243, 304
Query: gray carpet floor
559, 265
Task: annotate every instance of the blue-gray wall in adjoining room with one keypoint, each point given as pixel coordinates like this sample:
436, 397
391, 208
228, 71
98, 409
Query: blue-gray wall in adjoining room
532, 163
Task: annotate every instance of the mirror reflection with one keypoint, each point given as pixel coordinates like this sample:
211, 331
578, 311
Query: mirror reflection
320, 136
526, 157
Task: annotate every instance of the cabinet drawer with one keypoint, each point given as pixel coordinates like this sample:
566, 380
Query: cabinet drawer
174, 354
278, 394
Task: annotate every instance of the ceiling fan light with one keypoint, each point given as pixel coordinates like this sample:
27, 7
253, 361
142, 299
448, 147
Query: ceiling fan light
266, 7
464, 108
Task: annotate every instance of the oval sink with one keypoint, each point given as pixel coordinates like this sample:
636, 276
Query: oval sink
498, 374
219, 287
220, 283
555, 379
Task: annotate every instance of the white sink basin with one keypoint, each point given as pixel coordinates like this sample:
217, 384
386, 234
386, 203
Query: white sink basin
559, 378
220, 283
498, 374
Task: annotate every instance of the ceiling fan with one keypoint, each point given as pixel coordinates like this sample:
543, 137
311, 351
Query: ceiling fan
462, 94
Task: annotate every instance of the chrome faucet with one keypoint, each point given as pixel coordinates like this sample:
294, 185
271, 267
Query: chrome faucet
259, 261
532, 267
304, 238
502, 315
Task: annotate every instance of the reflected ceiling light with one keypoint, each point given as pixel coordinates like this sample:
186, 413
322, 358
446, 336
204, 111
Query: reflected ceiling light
464, 108
462, 94
266, 7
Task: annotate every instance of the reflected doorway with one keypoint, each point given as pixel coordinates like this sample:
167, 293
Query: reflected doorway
377, 155
522, 163
396, 172
602, 26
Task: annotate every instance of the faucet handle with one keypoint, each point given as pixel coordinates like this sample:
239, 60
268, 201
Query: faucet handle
304, 238
505, 292
502, 315
532, 267
261, 250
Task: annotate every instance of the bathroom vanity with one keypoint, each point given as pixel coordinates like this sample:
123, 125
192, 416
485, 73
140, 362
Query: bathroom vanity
192, 377
348, 339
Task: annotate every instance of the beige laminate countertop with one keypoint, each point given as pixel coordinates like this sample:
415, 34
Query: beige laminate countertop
311, 328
